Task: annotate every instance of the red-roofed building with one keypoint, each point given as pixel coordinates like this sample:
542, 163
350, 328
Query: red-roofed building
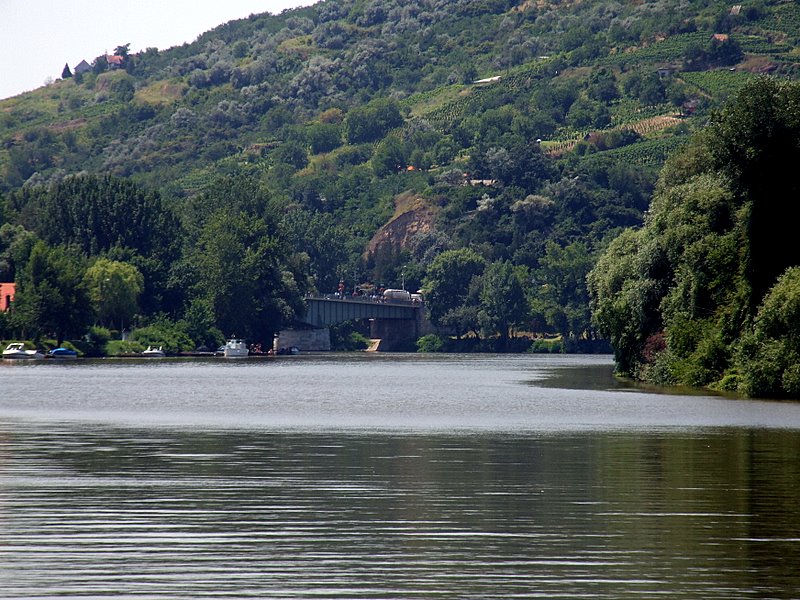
6, 295
114, 61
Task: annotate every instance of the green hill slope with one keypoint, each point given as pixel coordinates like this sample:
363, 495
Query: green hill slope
529, 128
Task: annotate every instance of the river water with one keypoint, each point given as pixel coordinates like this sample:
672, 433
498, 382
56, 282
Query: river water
389, 476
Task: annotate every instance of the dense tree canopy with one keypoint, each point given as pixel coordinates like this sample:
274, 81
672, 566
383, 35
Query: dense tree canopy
51, 298
114, 289
694, 297
370, 140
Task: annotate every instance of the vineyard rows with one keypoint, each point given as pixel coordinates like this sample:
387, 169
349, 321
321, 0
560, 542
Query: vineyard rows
521, 80
668, 50
643, 127
645, 153
718, 84
784, 18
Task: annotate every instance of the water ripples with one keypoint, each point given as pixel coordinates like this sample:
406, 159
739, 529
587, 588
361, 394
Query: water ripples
356, 516
387, 478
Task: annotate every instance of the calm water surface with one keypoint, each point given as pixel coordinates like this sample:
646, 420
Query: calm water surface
389, 476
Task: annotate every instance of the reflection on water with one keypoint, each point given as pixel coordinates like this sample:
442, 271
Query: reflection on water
99, 502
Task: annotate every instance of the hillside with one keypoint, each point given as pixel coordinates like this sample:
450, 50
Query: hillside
528, 132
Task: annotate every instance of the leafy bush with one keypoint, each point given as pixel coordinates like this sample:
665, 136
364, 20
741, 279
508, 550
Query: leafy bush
171, 336
430, 343
347, 337
547, 346
121, 348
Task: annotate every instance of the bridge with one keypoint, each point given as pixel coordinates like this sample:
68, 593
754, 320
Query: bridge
324, 311
394, 322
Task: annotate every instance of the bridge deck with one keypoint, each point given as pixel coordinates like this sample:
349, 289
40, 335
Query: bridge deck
325, 311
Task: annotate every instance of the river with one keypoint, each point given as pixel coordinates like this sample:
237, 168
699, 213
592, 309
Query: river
389, 476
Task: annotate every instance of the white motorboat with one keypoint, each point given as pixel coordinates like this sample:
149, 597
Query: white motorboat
17, 350
153, 352
235, 348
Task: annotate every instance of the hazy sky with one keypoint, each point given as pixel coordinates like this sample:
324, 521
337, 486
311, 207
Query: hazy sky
37, 37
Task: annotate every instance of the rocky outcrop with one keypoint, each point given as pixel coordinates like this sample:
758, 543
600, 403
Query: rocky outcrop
412, 215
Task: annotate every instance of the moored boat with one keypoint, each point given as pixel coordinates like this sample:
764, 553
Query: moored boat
235, 348
17, 350
62, 353
153, 352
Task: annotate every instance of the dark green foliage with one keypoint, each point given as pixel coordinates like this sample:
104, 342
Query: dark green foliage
561, 293
755, 143
503, 304
701, 275
769, 358
172, 337
241, 272
295, 138
372, 121
51, 297
97, 214
720, 50
349, 336
430, 343
448, 286
324, 137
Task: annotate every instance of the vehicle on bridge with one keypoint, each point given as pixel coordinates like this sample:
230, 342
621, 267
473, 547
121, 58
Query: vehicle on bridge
394, 295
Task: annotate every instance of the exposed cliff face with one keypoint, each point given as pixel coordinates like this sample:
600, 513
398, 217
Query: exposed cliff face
412, 215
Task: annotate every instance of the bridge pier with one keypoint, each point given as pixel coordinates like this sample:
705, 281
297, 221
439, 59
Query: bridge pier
308, 340
395, 334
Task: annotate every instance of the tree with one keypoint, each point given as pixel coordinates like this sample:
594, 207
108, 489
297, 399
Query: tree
691, 298
603, 85
324, 137
754, 141
66, 73
100, 64
51, 297
292, 153
390, 157
98, 213
243, 274
562, 279
450, 276
371, 122
122, 51
769, 359
321, 237
502, 295
16, 244
107, 215
652, 90
114, 288
619, 301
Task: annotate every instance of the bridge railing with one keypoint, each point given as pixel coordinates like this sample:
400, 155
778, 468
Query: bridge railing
414, 302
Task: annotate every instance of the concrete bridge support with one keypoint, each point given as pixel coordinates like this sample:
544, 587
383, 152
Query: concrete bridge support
308, 340
395, 334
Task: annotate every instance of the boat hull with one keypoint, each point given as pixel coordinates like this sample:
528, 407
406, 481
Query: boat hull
235, 348
17, 351
235, 353
22, 355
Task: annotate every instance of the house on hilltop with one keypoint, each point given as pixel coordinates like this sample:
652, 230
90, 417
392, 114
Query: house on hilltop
115, 61
82, 67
